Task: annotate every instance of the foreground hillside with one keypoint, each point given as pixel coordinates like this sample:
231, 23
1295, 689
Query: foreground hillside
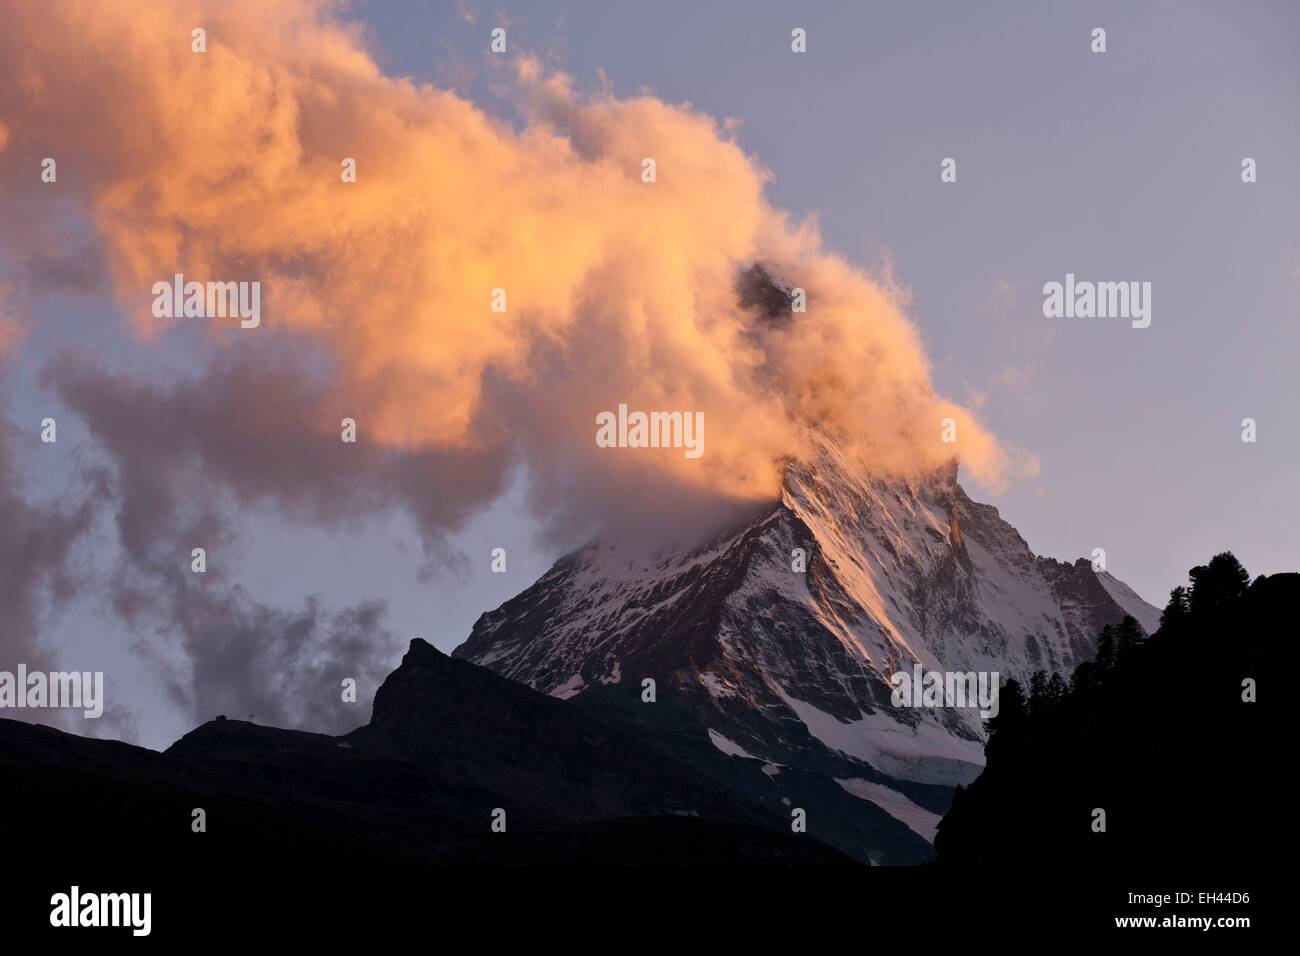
448, 745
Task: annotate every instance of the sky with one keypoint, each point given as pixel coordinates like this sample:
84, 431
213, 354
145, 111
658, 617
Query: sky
1085, 433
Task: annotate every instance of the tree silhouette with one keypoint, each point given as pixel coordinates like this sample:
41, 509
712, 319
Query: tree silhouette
1011, 707
1176, 611
1221, 581
1131, 737
1057, 689
1128, 635
1038, 698
1105, 657
1084, 678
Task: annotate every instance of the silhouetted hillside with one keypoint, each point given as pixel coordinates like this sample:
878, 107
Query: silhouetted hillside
1153, 732
449, 743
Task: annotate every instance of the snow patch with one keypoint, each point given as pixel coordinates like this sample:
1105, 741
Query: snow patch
570, 688
728, 747
1130, 603
926, 753
918, 819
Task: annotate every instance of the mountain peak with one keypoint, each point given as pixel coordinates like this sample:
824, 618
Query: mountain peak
758, 288
780, 637
420, 651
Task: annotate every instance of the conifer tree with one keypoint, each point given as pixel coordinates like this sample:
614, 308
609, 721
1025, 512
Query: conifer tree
1215, 584
1175, 613
1038, 698
1128, 635
1105, 658
1084, 678
1057, 689
1011, 707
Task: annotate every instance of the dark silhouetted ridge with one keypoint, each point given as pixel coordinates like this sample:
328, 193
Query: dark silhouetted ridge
448, 744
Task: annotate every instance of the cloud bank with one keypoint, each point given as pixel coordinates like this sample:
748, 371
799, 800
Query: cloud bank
226, 165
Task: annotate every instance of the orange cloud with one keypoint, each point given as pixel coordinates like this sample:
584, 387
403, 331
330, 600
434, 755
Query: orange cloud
225, 165
11, 331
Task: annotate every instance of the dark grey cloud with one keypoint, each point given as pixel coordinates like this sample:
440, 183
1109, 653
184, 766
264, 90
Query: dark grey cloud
265, 427
285, 667
36, 544
187, 462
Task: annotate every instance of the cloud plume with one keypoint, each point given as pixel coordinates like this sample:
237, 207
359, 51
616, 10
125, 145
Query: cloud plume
225, 165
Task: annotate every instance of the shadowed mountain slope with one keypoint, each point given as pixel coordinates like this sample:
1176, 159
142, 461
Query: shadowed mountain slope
448, 744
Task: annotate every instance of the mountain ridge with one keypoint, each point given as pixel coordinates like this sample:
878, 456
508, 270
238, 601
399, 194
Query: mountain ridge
448, 746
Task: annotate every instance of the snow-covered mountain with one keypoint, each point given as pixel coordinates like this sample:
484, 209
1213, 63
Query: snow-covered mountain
786, 669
